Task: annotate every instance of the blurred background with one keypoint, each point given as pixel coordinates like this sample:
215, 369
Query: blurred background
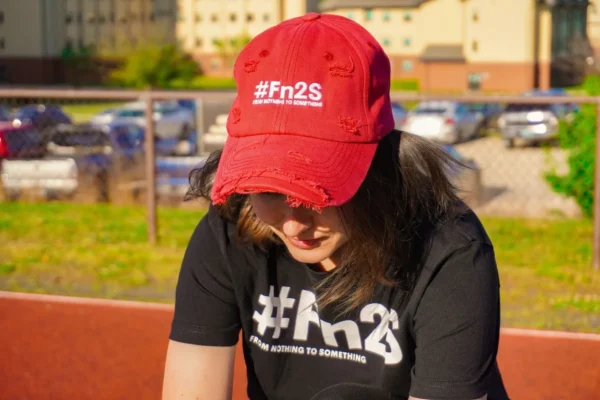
107, 105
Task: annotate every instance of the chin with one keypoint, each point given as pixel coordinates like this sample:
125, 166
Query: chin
312, 256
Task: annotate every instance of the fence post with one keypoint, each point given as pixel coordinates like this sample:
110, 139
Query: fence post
150, 168
596, 244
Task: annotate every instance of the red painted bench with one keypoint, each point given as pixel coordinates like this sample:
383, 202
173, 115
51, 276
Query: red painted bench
70, 348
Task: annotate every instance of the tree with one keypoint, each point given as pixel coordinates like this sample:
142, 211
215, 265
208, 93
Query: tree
578, 137
229, 48
161, 67
79, 64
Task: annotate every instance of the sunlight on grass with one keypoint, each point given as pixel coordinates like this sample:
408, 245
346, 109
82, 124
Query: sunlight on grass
101, 251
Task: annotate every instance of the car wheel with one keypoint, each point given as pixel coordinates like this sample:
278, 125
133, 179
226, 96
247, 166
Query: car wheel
509, 143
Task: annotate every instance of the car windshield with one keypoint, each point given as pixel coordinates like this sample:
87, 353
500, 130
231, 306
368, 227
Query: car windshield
80, 139
131, 113
25, 112
430, 110
528, 107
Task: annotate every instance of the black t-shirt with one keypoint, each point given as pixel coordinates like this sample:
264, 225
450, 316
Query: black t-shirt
441, 343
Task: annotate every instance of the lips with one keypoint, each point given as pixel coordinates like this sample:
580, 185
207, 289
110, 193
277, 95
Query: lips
305, 244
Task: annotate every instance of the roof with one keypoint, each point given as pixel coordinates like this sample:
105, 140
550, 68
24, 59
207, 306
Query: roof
336, 4
443, 52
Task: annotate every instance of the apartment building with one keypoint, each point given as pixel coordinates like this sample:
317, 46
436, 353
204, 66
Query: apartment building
201, 24
34, 33
495, 45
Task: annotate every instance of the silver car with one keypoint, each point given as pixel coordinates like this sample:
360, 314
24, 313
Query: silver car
445, 122
171, 120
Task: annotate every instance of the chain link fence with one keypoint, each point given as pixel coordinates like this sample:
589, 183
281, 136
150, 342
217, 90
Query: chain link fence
131, 147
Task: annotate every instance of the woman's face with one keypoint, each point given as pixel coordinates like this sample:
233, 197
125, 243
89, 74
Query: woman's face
311, 237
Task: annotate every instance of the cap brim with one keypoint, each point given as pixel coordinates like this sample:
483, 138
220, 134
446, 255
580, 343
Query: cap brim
318, 172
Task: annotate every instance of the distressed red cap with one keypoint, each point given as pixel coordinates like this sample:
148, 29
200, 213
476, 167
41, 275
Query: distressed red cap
313, 101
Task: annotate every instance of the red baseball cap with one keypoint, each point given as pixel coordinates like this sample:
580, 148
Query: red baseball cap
313, 101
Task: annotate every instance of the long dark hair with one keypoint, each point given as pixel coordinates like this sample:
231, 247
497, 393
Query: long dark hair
406, 192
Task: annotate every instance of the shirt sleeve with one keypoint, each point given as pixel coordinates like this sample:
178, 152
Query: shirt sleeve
206, 311
457, 327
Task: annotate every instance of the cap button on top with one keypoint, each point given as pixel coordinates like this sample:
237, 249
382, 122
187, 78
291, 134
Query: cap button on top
311, 16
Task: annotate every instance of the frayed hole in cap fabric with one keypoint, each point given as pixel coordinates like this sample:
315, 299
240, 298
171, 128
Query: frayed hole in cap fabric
328, 56
250, 65
264, 53
349, 124
343, 70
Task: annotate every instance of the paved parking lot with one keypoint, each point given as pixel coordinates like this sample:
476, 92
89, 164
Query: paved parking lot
513, 179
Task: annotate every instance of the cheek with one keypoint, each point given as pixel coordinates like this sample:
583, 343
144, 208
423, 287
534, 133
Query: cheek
332, 219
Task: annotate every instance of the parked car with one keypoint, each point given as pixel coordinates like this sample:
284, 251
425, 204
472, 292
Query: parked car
171, 120
533, 123
83, 162
173, 176
42, 116
442, 121
164, 147
23, 141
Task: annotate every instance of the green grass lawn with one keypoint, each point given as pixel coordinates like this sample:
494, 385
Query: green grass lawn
101, 251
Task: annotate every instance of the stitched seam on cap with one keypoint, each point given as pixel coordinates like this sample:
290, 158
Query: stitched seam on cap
366, 71
289, 110
279, 108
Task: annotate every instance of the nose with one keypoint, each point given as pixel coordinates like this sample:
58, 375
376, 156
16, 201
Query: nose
297, 221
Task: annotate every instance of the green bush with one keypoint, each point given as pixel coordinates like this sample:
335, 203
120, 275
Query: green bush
206, 83
578, 137
405, 85
160, 67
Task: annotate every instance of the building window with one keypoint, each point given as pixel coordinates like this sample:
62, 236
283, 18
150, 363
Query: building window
350, 16
79, 18
214, 18
475, 46
2, 44
408, 16
101, 19
475, 16
232, 17
69, 44
68, 18
407, 65
387, 42
198, 42
151, 17
369, 14
1, 17
406, 42
386, 16
250, 17
112, 17
198, 18
266, 17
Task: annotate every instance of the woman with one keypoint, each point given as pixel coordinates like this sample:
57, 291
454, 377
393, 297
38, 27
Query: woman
335, 244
